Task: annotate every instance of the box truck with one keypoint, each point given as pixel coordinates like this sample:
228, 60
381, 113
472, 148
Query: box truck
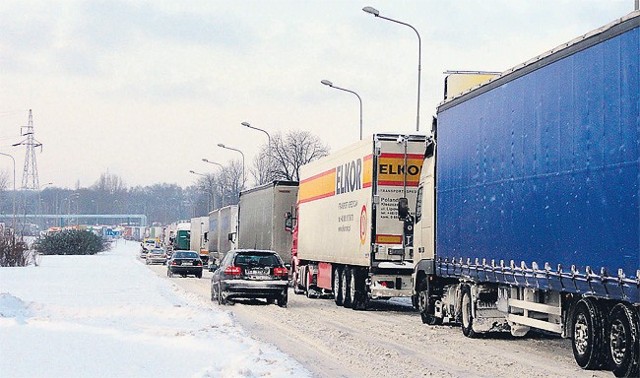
198, 238
223, 224
347, 238
528, 205
261, 214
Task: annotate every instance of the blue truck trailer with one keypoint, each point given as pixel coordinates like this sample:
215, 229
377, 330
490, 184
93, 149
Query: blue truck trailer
528, 207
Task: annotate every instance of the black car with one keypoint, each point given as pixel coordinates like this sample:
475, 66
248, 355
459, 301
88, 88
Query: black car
250, 273
183, 263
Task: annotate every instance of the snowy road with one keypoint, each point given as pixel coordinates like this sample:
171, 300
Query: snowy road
390, 341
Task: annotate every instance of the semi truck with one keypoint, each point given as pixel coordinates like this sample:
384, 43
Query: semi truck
223, 225
180, 235
528, 205
347, 239
261, 214
198, 237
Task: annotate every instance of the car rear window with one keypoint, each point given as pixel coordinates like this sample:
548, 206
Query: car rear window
257, 259
186, 255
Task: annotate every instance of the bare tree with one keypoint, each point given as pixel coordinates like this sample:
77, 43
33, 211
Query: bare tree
261, 172
4, 181
110, 183
230, 183
292, 151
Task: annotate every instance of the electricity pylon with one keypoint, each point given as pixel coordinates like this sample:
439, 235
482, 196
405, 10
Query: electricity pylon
30, 173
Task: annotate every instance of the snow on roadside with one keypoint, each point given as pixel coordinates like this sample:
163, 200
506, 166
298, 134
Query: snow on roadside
109, 316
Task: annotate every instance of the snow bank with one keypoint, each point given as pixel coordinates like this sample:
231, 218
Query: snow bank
109, 316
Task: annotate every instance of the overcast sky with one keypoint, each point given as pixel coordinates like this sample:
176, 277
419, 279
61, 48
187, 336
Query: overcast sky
146, 89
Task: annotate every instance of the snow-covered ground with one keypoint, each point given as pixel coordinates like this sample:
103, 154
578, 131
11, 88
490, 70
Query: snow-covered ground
110, 316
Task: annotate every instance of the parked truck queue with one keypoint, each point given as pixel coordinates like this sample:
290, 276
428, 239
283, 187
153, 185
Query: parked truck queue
519, 211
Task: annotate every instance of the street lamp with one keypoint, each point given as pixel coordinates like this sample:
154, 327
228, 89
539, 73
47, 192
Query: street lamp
40, 199
376, 13
237, 150
330, 84
217, 182
13, 219
212, 162
209, 194
247, 124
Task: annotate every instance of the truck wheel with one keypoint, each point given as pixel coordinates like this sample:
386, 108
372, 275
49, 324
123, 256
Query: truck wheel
623, 341
588, 336
297, 288
345, 287
359, 298
337, 287
467, 313
424, 306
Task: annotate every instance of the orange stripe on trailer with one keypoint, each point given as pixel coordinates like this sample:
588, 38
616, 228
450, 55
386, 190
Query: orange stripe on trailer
388, 239
318, 186
367, 171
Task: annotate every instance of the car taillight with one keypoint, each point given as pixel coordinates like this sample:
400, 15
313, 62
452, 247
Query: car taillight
197, 262
280, 271
233, 270
174, 262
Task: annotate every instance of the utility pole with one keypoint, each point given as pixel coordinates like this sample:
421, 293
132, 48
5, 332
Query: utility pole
30, 173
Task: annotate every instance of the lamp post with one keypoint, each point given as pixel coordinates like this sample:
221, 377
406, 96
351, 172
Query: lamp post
247, 124
330, 84
237, 150
217, 182
209, 194
212, 162
376, 13
40, 198
13, 218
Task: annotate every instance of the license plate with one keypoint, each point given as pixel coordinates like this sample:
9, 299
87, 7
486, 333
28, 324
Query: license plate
257, 272
187, 263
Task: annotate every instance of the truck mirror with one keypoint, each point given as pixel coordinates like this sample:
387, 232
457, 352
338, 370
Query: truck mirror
288, 224
403, 208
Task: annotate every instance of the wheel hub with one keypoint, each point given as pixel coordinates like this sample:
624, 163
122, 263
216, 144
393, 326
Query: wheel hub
580, 334
617, 342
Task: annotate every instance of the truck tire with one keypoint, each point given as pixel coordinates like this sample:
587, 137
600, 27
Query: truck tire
623, 336
467, 313
337, 287
424, 305
588, 334
298, 289
346, 287
359, 298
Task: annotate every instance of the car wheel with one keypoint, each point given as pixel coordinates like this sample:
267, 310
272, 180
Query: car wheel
213, 293
183, 275
221, 300
284, 298
199, 275
271, 301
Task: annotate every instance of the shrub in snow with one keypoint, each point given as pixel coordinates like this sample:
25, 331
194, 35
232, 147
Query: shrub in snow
13, 251
71, 242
